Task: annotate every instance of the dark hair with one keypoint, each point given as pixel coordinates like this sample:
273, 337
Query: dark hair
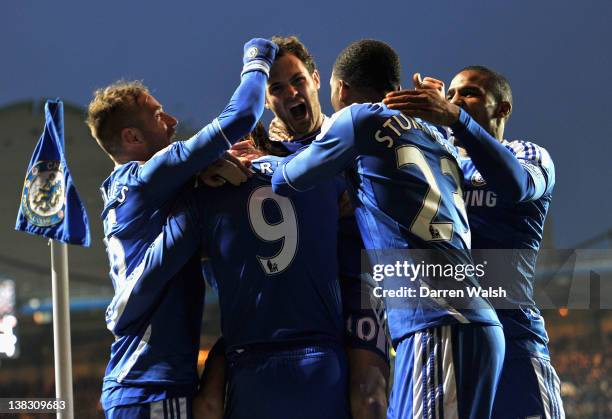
369, 64
292, 45
261, 141
496, 83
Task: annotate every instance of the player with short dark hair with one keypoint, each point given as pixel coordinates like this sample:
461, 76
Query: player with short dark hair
292, 95
156, 312
369, 67
508, 192
448, 355
494, 82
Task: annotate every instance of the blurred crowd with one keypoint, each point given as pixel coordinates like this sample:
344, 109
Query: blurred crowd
585, 370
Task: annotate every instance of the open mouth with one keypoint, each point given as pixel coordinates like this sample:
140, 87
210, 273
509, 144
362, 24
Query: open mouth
298, 111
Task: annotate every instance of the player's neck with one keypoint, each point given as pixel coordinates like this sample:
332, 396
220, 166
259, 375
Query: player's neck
367, 95
499, 133
497, 130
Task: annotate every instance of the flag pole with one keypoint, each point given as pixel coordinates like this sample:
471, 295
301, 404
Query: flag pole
61, 328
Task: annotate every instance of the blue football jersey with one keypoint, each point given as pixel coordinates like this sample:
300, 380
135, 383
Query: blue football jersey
499, 224
406, 185
364, 315
274, 261
349, 239
156, 312
151, 243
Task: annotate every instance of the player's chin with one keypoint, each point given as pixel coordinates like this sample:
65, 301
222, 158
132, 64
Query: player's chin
302, 123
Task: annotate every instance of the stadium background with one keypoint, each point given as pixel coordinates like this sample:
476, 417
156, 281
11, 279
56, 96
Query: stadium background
555, 55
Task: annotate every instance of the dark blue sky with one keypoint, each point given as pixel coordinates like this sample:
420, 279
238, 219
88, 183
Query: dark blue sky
556, 55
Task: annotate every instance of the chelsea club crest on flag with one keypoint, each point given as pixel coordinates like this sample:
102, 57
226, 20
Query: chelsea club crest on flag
43, 202
50, 205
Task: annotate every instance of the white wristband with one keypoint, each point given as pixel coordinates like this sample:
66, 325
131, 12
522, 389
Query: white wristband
256, 65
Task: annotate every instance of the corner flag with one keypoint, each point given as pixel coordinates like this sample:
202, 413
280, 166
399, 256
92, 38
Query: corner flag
50, 205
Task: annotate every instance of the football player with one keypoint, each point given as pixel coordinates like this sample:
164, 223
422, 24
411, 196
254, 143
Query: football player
156, 312
269, 258
406, 184
292, 95
279, 294
507, 205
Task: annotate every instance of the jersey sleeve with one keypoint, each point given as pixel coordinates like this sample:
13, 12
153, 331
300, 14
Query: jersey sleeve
139, 293
499, 166
330, 153
171, 167
538, 163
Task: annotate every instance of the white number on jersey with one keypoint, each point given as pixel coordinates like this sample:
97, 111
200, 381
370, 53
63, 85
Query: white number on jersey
286, 230
423, 225
116, 255
450, 167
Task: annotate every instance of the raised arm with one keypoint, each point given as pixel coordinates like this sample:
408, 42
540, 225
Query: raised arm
517, 175
331, 152
499, 166
170, 168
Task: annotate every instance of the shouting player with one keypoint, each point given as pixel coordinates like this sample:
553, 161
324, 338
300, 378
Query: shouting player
156, 312
406, 184
508, 191
292, 95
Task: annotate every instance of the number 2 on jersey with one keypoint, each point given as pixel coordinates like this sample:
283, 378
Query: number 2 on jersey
423, 225
285, 230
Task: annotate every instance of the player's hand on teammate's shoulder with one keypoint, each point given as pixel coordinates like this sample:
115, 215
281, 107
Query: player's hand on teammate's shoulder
426, 101
227, 169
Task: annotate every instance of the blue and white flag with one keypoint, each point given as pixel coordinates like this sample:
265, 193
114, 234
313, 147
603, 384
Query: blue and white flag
50, 205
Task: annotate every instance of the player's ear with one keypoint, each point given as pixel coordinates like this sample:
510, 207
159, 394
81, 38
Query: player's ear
317, 78
504, 109
131, 136
344, 91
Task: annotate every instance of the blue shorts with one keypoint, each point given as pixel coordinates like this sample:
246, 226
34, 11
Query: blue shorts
174, 408
303, 382
447, 372
364, 316
528, 388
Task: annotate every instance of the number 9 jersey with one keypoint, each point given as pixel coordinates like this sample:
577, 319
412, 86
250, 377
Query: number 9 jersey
274, 260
